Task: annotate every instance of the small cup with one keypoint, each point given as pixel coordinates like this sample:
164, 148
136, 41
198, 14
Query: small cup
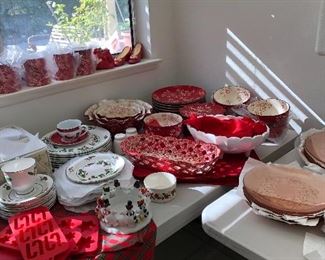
161, 185
20, 174
71, 129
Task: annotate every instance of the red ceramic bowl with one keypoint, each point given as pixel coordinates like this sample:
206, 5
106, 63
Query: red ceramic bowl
274, 113
230, 96
164, 124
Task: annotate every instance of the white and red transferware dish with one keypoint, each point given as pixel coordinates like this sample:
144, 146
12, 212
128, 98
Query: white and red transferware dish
70, 129
236, 135
231, 96
57, 139
165, 124
274, 112
118, 115
201, 109
170, 154
123, 210
161, 186
179, 94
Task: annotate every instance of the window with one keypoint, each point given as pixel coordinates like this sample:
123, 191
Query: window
32, 24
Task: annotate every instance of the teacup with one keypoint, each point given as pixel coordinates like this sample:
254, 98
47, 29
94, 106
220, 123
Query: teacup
70, 129
20, 174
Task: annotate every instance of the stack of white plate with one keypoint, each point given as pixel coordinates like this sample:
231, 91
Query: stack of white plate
99, 140
42, 194
80, 181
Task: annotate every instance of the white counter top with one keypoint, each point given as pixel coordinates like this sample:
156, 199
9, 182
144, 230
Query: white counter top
231, 221
191, 199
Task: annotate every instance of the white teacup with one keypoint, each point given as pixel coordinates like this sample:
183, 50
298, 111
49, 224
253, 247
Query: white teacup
70, 129
20, 174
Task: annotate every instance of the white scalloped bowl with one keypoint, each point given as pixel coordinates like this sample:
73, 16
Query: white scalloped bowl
230, 144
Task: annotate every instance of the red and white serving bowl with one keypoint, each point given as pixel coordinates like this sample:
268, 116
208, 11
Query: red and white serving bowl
230, 96
170, 154
232, 134
118, 115
274, 113
201, 109
164, 124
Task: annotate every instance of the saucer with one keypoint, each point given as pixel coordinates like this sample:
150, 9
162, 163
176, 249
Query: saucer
56, 139
42, 186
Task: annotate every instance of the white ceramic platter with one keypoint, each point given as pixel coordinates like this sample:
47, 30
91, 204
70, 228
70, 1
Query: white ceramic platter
95, 168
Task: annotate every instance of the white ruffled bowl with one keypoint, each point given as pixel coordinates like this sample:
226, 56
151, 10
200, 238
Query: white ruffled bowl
230, 144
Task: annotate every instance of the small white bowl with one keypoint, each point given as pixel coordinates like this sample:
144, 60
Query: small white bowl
161, 185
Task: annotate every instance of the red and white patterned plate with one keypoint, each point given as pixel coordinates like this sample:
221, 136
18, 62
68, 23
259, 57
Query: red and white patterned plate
180, 94
201, 109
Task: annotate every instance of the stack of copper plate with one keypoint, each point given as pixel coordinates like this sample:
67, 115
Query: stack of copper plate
314, 148
285, 193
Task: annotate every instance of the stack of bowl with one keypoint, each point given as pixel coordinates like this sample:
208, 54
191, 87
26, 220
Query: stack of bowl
118, 115
172, 98
164, 124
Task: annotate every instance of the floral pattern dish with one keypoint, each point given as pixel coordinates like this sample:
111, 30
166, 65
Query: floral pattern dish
171, 154
180, 94
95, 168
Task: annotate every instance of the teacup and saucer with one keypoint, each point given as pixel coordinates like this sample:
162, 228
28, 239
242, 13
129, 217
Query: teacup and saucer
69, 132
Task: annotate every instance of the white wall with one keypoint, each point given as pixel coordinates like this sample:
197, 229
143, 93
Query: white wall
41, 115
280, 33
190, 36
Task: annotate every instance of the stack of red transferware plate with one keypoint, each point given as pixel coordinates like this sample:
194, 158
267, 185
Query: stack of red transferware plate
172, 98
117, 115
201, 109
171, 154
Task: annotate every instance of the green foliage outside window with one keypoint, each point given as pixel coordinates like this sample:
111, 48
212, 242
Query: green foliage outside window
87, 21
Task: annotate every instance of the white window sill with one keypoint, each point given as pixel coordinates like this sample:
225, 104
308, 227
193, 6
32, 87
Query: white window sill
28, 93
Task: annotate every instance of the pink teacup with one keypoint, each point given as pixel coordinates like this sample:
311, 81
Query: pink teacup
71, 129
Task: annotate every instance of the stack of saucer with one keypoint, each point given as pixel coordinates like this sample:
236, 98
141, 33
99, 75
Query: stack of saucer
97, 139
172, 98
43, 193
314, 148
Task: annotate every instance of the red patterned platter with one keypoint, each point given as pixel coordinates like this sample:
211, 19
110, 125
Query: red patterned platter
180, 94
171, 154
201, 109
56, 139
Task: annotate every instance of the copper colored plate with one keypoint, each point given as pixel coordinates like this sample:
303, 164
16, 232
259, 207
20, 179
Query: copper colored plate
315, 146
285, 190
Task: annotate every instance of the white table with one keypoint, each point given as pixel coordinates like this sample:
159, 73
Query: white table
231, 221
192, 198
